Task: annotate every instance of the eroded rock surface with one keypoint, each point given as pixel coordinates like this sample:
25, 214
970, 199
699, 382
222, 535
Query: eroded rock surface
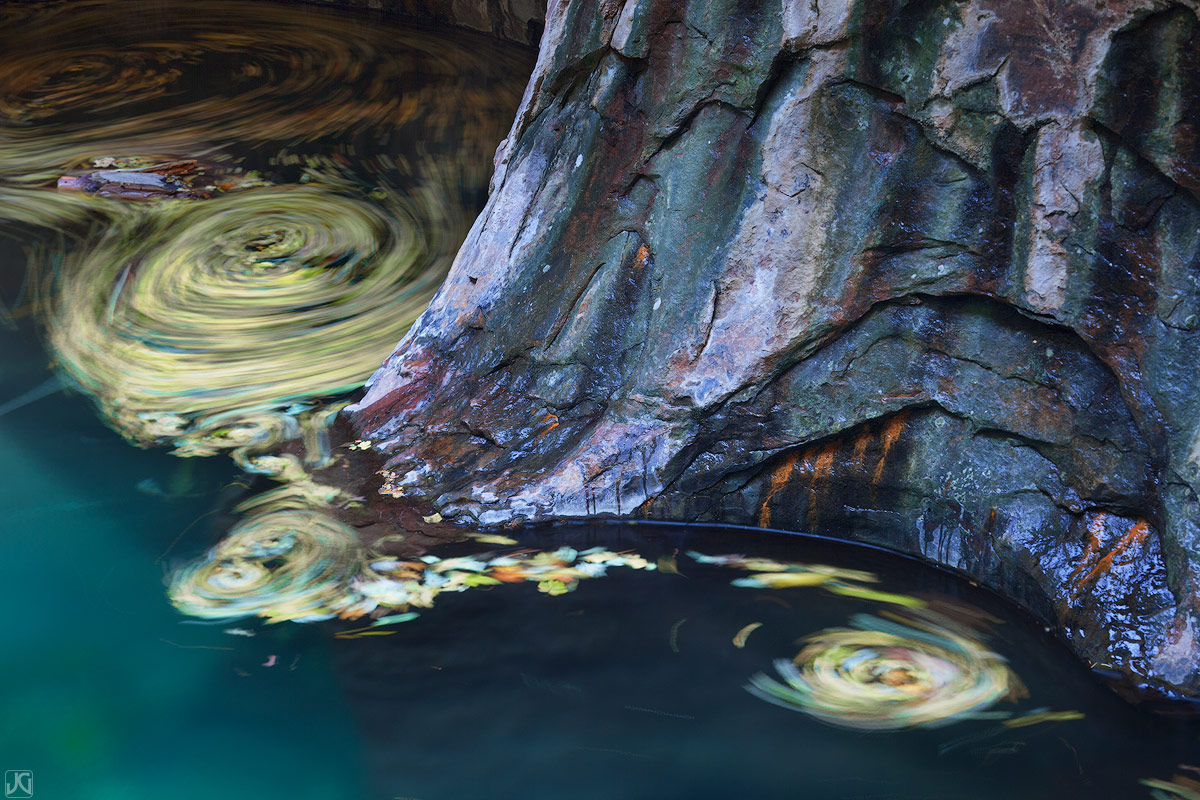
920, 273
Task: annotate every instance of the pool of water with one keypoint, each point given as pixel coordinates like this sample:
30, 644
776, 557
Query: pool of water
106, 693
635, 685
582, 661
631, 685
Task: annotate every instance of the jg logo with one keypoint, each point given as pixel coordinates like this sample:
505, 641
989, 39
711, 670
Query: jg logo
18, 783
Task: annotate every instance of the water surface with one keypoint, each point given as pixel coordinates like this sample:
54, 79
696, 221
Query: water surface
351, 152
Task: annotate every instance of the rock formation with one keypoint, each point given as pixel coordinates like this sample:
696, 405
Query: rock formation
925, 274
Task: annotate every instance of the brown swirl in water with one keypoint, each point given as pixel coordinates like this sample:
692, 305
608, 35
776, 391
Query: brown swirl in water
82, 79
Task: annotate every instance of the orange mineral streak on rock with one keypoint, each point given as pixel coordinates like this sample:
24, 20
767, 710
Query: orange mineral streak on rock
554, 423
1091, 548
1133, 539
642, 257
860, 447
822, 468
891, 432
778, 480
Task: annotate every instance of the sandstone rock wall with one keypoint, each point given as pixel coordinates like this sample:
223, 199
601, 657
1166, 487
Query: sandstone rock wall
921, 273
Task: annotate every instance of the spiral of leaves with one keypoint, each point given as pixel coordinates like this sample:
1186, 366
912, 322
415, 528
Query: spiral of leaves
289, 564
881, 675
200, 324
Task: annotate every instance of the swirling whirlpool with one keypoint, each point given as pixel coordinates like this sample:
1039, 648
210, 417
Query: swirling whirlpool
884, 675
254, 302
288, 564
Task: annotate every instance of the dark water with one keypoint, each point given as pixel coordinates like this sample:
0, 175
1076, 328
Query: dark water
632, 685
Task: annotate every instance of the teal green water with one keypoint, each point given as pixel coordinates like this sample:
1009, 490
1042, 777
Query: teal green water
108, 693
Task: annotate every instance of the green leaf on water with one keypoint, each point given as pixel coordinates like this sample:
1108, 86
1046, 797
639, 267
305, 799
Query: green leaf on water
394, 618
864, 593
475, 579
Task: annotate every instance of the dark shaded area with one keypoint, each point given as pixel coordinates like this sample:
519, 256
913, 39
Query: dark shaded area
631, 686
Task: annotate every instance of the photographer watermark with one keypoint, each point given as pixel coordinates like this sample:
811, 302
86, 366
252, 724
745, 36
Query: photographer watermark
18, 783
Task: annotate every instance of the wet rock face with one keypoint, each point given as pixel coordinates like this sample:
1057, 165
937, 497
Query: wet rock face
920, 273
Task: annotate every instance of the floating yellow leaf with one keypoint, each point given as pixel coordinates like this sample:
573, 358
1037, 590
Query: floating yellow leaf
739, 640
480, 580
668, 565
782, 580
491, 538
864, 593
395, 618
1042, 716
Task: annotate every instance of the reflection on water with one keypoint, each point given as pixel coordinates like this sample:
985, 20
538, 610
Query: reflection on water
880, 674
107, 694
282, 565
301, 565
90, 79
634, 686
222, 216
